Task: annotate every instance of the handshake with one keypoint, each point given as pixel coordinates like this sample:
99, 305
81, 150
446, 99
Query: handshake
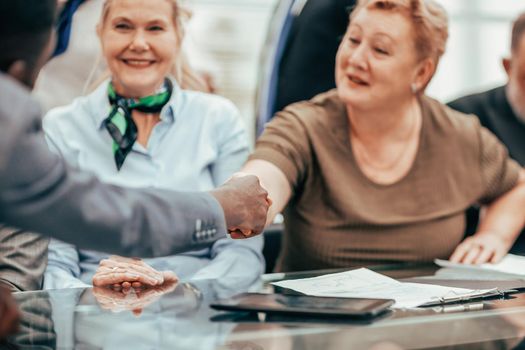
245, 204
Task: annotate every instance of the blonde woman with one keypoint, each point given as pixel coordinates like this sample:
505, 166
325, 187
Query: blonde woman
140, 129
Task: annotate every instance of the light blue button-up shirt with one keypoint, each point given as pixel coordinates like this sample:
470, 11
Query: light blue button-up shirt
198, 144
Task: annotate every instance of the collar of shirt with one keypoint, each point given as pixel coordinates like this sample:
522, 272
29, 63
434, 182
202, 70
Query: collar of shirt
101, 110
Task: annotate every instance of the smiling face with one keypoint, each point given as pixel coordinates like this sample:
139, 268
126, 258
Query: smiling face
140, 43
377, 62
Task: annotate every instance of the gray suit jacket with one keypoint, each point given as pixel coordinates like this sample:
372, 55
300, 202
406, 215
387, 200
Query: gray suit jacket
38, 192
23, 258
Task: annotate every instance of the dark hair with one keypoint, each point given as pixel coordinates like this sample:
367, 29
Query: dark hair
518, 29
25, 27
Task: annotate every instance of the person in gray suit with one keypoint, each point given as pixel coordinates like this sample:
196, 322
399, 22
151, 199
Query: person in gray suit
23, 258
39, 192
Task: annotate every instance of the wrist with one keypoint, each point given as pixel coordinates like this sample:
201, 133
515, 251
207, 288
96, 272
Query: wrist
504, 236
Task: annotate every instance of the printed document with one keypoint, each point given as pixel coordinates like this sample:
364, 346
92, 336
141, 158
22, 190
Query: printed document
364, 283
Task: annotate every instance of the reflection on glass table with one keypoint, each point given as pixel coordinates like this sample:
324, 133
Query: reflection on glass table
179, 317
174, 316
131, 299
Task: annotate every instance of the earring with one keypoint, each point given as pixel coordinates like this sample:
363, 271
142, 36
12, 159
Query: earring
413, 87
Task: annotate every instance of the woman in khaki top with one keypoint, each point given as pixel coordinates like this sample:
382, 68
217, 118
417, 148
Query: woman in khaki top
374, 171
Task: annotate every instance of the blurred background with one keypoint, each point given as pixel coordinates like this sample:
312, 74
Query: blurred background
226, 37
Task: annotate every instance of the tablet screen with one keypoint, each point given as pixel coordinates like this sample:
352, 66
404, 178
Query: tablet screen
304, 304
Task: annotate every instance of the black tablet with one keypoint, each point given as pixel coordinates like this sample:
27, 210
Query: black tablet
304, 305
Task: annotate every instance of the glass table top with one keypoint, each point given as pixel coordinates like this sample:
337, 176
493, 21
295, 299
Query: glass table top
179, 317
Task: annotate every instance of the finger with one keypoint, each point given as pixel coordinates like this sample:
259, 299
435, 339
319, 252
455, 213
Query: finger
137, 312
118, 258
498, 255
168, 287
115, 258
106, 279
103, 293
485, 255
136, 285
125, 264
239, 174
472, 254
148, 293
131, 269
170, 277
460, 252
246, 232
237, 235
98, 291
153, 294
127, 284
140, 268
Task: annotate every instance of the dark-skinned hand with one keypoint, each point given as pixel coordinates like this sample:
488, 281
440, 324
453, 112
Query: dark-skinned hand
245, 204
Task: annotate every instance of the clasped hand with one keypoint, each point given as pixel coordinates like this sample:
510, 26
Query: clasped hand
245, 204
130, 284
124, 273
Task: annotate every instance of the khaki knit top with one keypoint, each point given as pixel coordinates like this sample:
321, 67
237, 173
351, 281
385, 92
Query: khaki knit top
337, 217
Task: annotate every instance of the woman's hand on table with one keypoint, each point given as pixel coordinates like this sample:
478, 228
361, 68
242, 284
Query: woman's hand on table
483, 247
124, 273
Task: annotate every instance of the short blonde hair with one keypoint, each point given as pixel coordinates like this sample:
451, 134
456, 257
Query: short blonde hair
428, 18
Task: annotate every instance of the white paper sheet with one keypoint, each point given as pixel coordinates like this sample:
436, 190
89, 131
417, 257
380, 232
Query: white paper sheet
511, 264
453, 273
364, 283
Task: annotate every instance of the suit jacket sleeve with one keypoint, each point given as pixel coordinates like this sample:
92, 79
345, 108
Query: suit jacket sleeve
23, 257
39, 192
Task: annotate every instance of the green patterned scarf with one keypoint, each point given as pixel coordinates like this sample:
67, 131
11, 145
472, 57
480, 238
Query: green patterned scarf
120, 124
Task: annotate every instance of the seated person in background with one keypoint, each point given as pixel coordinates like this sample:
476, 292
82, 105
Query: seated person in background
23, 257
376, 172
502, 111
307, 64
141, 129
304, 59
